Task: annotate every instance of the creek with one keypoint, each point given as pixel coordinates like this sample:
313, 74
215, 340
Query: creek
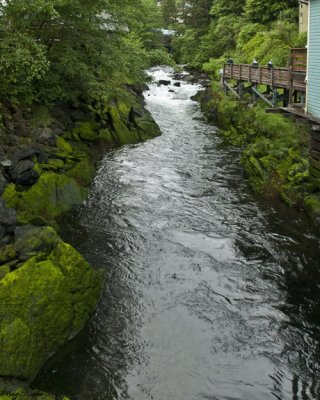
211, 292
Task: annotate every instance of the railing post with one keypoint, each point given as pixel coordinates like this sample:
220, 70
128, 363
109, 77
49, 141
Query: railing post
260, 75
290, 86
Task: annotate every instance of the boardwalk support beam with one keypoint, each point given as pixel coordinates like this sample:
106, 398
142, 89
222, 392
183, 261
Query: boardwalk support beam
229, 87
256, 92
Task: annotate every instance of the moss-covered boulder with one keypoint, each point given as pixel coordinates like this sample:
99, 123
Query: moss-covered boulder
63, 145
30, 240
24, 394
53, 164
145, 124
50, 197
7, 253
120, 121
44, 302
83, 172
85, 131
4, 270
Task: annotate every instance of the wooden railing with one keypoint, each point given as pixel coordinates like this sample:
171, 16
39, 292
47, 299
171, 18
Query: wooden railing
291, 78
275, 77
278, 77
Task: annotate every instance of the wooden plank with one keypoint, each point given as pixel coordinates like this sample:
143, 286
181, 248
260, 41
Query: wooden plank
231, 89
299, 59
314, 163
302, 114
315, 154
262, 97
274, 111
315, 128
314, 172
315, 181
314, 144
275, 77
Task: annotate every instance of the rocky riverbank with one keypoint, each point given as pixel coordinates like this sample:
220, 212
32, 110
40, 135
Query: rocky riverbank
47, 162
275, 150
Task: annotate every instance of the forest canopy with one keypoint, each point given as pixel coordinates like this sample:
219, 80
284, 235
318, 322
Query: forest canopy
63, 50
211, 31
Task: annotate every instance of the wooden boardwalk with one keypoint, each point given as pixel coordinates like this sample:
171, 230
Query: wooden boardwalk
292, 79
283, 78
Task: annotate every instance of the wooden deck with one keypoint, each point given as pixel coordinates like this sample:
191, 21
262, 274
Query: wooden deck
284, 78
290, 80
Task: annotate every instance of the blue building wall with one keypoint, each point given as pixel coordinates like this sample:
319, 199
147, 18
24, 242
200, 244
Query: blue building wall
314, 59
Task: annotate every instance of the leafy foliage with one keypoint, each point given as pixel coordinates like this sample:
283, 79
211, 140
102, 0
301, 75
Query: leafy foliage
54, 50
209, 32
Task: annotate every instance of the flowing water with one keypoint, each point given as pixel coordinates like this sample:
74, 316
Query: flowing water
211, 293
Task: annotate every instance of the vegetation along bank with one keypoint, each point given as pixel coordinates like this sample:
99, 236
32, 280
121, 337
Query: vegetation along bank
275, 150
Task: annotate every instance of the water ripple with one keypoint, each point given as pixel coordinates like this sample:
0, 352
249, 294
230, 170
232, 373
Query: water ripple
211, 292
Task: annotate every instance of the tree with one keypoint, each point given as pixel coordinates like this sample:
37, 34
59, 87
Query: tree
169, 12
73, 48
196, 14
222, 8
261, 11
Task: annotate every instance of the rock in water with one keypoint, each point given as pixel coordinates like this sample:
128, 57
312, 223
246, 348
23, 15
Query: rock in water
44, 302
164, 82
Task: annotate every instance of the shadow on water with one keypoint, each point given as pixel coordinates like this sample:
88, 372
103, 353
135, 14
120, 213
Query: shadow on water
210, 292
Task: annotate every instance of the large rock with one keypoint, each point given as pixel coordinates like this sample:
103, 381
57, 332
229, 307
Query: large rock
164, 82
23, 173
50, 197
3, 182
83, 172
14, 389
8, 220
43, 303
24, 394
119, 116
145, 124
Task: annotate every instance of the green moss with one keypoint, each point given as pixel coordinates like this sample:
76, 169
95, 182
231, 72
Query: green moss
25, 394
63, 145
42, 304
123, 134
37, 167
105, 135
147, 128
312, 205
50, 197
41, 117
83, 172
53, 164
4, 270
31, 239
7, 253
274, 149
85, 131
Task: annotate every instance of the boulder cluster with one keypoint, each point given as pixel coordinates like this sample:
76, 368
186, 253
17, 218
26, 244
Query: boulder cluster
47, 162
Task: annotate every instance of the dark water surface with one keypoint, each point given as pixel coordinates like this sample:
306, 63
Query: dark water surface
210, 294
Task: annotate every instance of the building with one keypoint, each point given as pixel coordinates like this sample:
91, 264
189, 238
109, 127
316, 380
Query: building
303, 17
313, 68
